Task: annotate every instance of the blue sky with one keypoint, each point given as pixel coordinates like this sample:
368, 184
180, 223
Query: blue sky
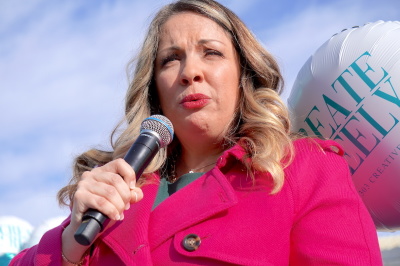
62, 77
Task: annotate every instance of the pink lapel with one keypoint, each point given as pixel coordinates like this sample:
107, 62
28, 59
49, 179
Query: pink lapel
206, 196
129, 238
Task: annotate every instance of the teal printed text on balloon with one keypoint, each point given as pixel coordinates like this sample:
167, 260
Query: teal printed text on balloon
378, 92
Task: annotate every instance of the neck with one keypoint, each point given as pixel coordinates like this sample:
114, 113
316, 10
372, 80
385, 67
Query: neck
197, 161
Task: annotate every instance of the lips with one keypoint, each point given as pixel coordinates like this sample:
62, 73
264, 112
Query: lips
195, 101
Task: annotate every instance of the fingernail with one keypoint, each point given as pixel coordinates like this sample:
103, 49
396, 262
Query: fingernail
132, 184
117, 217
127, 206
122, 217
136, 196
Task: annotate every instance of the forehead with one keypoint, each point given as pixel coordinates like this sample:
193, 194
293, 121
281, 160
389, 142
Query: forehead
191, 25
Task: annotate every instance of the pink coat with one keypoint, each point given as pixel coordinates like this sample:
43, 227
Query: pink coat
316, 219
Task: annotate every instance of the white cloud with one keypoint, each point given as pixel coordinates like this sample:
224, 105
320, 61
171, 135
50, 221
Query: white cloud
62, 79
62, 83
12, 11
34, 206
240, 6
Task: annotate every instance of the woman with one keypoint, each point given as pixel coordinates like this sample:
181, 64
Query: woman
234, 187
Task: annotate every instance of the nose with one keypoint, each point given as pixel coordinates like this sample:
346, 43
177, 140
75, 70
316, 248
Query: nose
190, 72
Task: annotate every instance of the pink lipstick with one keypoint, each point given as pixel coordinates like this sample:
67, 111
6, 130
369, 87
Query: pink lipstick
195, 101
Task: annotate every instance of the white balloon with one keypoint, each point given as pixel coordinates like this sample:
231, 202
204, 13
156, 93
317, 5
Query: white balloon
14, 232
349, 91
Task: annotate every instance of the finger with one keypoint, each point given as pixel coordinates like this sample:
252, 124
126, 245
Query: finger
136, 195
118, 183
94, 201
106, 185
111, 178
117, 194
121, 167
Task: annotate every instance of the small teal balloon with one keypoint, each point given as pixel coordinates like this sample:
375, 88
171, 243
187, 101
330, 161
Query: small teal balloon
6, 258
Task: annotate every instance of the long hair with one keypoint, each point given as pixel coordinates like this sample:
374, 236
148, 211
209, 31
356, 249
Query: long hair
261, 122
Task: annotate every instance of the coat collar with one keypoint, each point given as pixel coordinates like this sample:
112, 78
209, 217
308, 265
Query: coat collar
201, 199
127, 237
210, 194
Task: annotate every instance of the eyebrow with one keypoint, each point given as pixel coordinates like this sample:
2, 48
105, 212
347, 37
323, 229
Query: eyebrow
204, 41
201, 42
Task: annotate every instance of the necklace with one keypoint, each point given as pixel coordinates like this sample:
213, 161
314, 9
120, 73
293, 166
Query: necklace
195, 169
173, 177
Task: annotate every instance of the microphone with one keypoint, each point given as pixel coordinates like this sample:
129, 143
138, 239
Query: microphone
156, 132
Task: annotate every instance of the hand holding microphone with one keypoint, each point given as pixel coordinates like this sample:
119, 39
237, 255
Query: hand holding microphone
156, 132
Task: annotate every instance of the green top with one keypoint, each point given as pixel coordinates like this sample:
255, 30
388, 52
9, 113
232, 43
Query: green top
166, 188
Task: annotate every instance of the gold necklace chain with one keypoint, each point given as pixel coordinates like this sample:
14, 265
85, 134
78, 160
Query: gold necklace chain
193, 170
172, 178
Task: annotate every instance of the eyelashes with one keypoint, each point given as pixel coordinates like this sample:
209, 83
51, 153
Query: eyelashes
169, 58
214, 52
177, 56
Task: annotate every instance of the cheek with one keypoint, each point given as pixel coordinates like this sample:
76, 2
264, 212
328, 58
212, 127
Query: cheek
231, 90
163, 90
233, 99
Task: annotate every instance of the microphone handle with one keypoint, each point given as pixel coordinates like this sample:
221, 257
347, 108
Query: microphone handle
139, 156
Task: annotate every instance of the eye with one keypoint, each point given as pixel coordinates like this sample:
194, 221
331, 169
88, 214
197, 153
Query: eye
213, 52
169, 58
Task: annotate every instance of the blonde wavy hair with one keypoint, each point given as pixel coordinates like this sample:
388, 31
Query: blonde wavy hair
262, 121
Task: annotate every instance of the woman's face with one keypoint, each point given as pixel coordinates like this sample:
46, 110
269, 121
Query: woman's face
197, 76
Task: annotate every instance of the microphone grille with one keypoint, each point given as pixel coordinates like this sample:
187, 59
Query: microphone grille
162, 126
